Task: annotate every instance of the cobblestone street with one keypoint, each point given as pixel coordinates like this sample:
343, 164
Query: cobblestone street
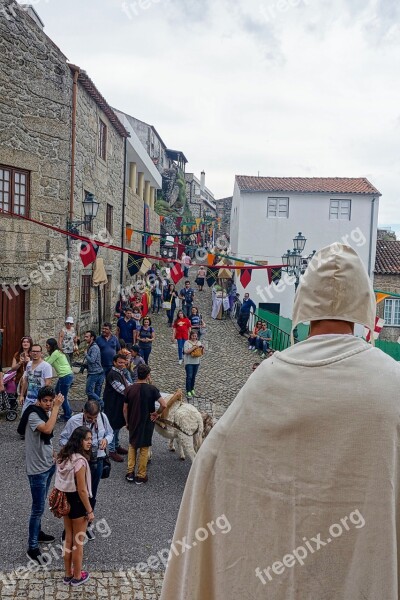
133, 523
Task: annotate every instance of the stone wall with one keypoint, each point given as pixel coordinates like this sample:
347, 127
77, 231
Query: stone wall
35, 126
387, 283
224, 207
103, 178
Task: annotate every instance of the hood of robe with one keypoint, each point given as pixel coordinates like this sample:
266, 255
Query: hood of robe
335, 286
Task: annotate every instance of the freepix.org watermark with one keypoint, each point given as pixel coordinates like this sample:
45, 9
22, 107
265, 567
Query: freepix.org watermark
54, 552
155, 561
310, 546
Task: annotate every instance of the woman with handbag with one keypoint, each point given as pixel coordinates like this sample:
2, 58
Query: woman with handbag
146, 338
193, 351
73, 477
170, 300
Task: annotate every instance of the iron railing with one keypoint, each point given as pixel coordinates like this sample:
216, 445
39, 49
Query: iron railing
280, 339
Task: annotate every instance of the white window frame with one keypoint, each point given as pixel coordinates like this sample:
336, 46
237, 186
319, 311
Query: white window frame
340, 209
392, 314
277, 207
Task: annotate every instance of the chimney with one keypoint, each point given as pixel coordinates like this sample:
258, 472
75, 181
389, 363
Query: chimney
28, 8
202, 181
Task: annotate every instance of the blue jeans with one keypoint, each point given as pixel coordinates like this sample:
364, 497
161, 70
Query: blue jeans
187, 309
156, 302
191, 372
115, 441
94, 383
181, 343
62, 387
39, 489
262, 345
145, 351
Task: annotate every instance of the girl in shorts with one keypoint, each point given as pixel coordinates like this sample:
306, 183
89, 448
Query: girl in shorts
73, 477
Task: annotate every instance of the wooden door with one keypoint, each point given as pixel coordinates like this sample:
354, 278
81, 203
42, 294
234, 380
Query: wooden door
12, 320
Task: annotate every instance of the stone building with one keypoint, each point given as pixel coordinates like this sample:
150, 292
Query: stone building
224, 207
387, 279
59, 142
200, 199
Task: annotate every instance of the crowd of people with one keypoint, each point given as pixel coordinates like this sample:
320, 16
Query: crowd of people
119, 394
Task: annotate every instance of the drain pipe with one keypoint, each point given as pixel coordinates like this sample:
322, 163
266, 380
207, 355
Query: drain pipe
371, 236
121, 273
72, 186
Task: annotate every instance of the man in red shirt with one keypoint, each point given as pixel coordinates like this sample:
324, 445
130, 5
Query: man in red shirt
180, 333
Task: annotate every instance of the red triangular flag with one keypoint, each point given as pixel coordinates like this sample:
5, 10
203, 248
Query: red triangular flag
245, 277
176, 240
269, 276
88, 253
149, 241
176, 273
178, 222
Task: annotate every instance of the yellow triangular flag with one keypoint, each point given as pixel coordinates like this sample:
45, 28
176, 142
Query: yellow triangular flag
380, 297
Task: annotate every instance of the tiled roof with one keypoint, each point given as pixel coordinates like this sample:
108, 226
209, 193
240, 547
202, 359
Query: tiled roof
387, 261
89, 86
329, 185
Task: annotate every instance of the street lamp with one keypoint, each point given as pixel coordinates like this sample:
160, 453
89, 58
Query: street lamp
299, 242
90, 209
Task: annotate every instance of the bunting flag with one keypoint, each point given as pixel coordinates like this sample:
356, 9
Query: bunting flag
210, 259
161, 219
379, 323
178, 222
134, 263
211, 277
145, 266
276, 275
176, 273
88, 253
198, 241
176, 240
198, 221
149, 241
193, 228
380, 296
245, 277
128, 233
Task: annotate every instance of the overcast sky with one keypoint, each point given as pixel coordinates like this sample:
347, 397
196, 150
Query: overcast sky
279, 87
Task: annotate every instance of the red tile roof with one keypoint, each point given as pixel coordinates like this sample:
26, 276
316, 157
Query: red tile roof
329, 185
387, 261
89, 86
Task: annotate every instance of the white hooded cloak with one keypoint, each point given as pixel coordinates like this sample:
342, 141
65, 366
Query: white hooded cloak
295, 493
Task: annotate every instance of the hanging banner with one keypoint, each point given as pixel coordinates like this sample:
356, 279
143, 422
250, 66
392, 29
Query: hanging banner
211, 277
146, 266
176, 273
88, 253
134, 263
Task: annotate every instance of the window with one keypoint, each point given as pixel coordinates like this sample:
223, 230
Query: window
278, 208
392, 312
109, 218
85, 293
102, 145
340, 209
14, 191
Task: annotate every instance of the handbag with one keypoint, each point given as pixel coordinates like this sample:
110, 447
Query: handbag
106, 467
166, 305
58, 502
197, 352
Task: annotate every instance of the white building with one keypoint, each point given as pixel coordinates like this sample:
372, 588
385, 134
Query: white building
268, 212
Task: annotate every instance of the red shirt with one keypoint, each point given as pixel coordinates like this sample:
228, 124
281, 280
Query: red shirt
182, 327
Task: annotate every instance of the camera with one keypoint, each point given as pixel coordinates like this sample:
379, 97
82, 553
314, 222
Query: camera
93, 455
82, 368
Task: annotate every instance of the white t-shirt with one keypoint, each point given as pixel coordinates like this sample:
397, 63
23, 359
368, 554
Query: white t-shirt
36, 379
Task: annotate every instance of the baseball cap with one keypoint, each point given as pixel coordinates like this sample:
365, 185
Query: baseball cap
69, 320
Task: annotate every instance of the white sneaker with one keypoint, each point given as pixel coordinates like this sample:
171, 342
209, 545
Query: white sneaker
180, 361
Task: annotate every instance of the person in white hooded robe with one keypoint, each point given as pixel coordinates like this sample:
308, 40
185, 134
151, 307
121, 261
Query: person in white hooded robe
294, 495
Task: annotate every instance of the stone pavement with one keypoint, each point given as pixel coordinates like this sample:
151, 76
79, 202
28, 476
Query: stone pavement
134, 523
